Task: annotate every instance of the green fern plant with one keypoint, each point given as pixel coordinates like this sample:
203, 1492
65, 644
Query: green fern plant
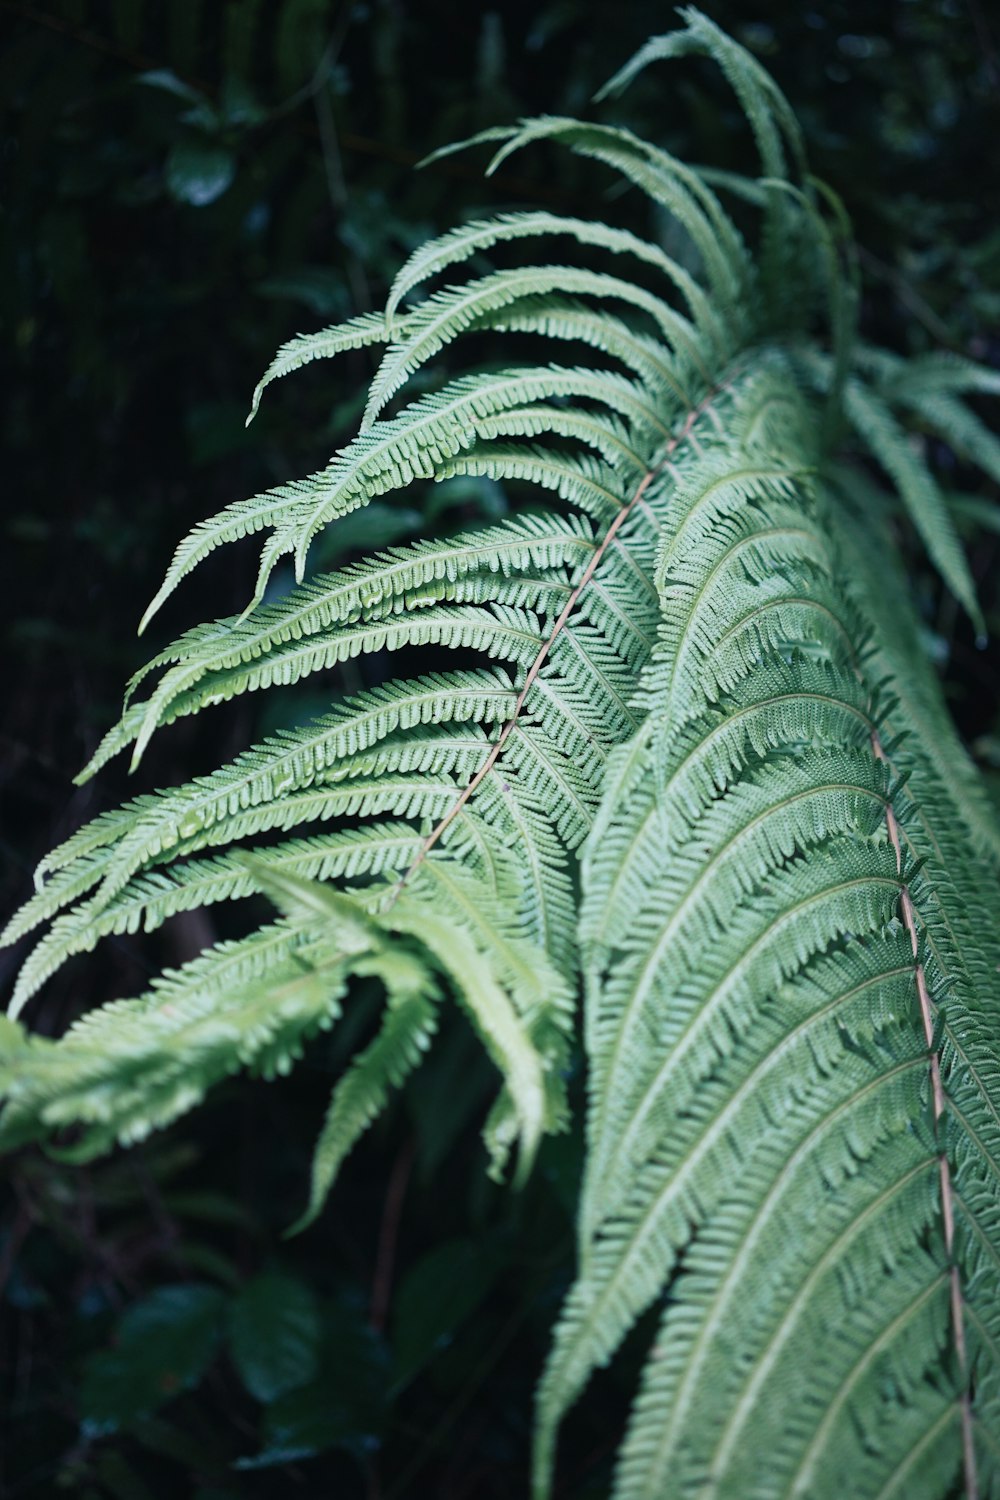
702, 769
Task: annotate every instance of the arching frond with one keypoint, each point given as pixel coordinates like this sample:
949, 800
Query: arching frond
357, 333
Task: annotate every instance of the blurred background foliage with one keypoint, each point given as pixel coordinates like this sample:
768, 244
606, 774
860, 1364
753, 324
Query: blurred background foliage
185, 184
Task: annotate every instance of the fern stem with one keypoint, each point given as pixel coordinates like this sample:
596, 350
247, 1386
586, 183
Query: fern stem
947, 1192
388, 1235
596, 558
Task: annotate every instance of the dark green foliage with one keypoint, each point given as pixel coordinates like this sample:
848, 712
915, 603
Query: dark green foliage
274, 1331
161, 1346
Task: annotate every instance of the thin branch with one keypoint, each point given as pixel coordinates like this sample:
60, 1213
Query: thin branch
385, 1256
910, 298
467, 1393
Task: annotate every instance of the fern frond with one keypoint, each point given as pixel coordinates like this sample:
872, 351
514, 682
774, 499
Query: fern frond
769, 114
693, 761
444, 315
405, 1034
414, 444
888, 445
931, 374
388, 582
133, 1066
950, 419
356, 333
483, 234
727, 923
669, 183
390, 456
561, 318
533, 1086
440, 625
874, 565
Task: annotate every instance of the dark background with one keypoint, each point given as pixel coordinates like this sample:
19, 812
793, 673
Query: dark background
185, 185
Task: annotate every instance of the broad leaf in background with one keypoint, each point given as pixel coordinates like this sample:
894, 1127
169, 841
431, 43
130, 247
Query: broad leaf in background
344, 1406
160, 1347
435, 1298
274, 1335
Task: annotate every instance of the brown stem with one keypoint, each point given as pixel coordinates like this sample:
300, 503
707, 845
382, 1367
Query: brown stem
470, 1388
385, 1255
947, 1191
